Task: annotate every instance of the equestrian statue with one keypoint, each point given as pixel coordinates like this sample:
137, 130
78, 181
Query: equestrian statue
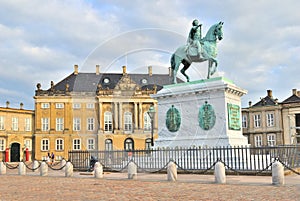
198, 49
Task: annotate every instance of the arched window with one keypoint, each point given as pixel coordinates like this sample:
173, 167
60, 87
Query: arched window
108, 145
128, 144
128, 121
108, 126
147, 122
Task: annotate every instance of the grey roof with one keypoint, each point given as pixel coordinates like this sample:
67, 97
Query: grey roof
292, 99
267, 101
87, 82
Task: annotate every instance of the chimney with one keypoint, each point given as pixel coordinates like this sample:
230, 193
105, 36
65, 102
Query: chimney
298, 93
7, 104
250, 103
269, 92
124, 70
294, 91
150, 70
75, 69
170, 71
97, 69
21, 106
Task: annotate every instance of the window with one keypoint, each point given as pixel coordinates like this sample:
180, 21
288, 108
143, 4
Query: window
27, 124
59, 105
244, 121
59, 144
59, 124
1, 123
258, 140
271, 139
2, 144
45, 145
28, 144
15, 123
148, 144
76, 106
76, 124
128, 121
108, 121
90, 105
91, 144
90, 124
108, 145
257, 120
147, 122
45, 124
270, 119
128, 144
76, 144
45, 105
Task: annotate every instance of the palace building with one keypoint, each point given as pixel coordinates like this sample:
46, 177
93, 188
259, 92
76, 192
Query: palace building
96, 111
270, 122
16, 133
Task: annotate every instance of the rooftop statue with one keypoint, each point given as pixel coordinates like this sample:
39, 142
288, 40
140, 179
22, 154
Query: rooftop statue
198, 49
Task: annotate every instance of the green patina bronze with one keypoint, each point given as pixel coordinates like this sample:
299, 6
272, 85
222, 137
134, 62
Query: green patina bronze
234, 122
206, 116
173, 119
198, 49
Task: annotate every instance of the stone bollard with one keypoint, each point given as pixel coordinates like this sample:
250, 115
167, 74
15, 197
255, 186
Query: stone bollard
2, 168
132, 170
172, 171
98, 170
22, 168
220, 176
35, 165
277, 173
69, 169
63, 163
44, 169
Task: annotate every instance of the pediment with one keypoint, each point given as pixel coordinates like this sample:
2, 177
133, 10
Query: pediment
126, 84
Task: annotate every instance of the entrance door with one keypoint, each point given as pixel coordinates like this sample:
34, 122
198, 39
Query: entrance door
15, 152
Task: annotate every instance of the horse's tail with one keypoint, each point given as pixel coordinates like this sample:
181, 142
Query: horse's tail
173, 64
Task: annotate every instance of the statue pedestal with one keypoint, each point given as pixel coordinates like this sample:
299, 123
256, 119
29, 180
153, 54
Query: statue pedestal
200, 113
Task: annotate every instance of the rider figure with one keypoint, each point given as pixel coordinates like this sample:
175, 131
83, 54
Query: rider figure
194, 38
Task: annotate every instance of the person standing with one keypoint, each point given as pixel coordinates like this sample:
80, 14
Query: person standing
52, 158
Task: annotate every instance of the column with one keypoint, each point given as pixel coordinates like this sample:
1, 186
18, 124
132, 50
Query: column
121, 116
100, 116
140, 115
135, 116
116, 125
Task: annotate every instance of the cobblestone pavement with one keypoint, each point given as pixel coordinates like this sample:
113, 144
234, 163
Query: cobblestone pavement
116, 186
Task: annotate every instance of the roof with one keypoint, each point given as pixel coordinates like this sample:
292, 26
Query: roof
292, 99
266, 101
88, 82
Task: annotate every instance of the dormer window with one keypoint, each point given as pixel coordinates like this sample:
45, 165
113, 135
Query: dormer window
106, 80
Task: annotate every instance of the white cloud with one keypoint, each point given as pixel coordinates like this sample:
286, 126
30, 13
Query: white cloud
41, 41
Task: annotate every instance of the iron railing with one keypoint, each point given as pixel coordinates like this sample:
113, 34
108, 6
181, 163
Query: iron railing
242, 159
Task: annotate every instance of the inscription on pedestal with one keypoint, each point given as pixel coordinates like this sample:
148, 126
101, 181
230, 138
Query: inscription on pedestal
233, 117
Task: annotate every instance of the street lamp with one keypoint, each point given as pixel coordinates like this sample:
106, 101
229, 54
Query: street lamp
151, 113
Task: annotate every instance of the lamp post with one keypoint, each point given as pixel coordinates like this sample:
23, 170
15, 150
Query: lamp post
151, 113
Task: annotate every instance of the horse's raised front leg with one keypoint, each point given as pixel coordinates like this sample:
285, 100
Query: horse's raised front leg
211, 67
174, 74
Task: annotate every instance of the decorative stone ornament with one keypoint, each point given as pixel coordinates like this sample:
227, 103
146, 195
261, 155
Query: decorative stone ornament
173, 119
206, 116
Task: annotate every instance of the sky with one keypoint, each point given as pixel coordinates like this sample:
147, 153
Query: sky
41, 41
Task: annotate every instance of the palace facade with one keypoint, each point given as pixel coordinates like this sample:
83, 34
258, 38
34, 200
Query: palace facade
16, 133
96, 111
269, 122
